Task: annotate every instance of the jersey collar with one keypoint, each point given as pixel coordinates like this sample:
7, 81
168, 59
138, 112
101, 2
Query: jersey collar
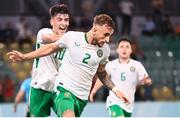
121, 62
85, 36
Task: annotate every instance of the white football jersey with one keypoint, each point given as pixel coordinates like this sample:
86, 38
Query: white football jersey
80, 63
125, 76
44, 68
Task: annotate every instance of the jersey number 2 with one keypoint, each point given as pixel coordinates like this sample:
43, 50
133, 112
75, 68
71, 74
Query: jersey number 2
86, 58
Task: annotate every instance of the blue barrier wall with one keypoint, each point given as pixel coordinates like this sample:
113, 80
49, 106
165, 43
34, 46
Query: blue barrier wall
141, 109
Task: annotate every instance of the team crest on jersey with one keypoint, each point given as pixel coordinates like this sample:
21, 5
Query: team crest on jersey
132, 69
100, 53
77, 44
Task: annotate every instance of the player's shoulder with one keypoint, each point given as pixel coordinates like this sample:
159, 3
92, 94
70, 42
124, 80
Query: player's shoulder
113, 62
106, 45
45, 30
136, 62
74, 32
28, 80
106, 48
74, 35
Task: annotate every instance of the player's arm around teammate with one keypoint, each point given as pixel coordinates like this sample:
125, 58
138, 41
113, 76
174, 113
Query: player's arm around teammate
16, 56
97, 38
47, 49
44, 69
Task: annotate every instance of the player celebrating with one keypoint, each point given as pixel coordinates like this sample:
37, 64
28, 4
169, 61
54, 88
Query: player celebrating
46, 68
86, 54
126, 73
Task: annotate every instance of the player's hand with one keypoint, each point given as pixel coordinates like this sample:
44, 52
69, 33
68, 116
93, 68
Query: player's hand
16, 56
146, 81
91, 96
122, 97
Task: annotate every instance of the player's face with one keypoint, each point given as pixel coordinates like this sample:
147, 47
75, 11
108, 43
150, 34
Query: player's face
101, 35
60, 23
124, 49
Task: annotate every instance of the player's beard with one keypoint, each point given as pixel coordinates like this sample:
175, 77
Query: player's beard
98, 43
95, 42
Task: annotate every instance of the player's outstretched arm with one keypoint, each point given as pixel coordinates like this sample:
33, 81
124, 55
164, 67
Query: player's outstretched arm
16, 56
103, 76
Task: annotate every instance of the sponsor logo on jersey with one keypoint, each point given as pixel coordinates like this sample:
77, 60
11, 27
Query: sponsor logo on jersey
77, 44
132, 69
99, 53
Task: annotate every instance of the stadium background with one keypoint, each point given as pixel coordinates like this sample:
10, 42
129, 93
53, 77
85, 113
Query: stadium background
157, 46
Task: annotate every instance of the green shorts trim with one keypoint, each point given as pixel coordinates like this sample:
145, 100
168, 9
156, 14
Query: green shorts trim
41, 102
65, 100
117, 111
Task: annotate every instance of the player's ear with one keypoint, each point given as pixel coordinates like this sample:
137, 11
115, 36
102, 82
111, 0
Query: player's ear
51, 22
117, 50
131, 50
94, 27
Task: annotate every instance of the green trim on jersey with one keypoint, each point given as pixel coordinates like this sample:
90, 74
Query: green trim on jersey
37, 59
66, 100
60, 55
117, 111
85, 35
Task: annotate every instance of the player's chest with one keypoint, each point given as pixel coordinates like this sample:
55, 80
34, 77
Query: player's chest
86, 54
124, 73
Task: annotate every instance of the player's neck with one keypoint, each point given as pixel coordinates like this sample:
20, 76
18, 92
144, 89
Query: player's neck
89, 36
124, 60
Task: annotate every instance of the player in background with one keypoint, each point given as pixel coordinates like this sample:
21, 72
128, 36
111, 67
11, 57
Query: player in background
46, 68
23, 91
126, 74
86, 55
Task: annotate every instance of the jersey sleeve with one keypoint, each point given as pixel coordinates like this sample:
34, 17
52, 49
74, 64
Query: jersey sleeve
106, 55
142, 72
40, 34
108, 68
23, 85
64, 40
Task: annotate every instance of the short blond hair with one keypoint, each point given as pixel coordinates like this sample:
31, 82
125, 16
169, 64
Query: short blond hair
103, 19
